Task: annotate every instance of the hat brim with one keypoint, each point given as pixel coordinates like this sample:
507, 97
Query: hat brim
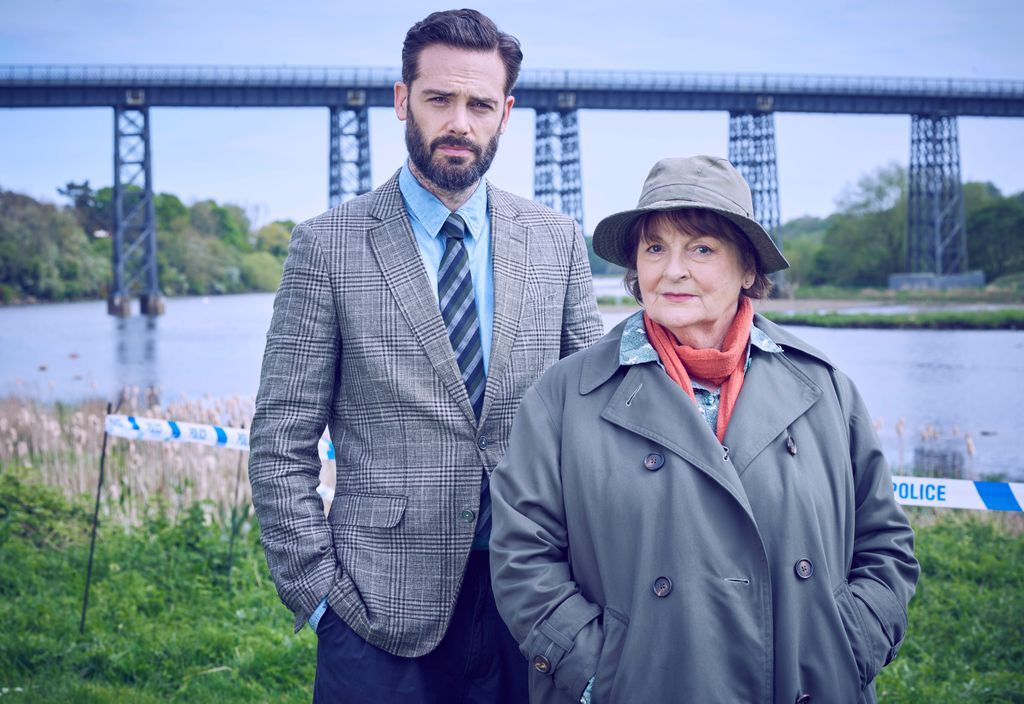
612, 240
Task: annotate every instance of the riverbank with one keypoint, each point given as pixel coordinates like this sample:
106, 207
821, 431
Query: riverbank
877, 314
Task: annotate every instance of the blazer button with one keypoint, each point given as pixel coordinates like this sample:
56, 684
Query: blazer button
662, 587
654, 461
467, 516
482, 442
541, 664
803, 699
804, 569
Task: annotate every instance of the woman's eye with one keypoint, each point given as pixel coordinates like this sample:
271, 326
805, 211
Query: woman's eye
702, 249
655, 248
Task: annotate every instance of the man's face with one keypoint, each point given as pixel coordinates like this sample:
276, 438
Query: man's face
455, 110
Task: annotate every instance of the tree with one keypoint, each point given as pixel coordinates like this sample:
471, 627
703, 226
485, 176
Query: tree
866, 240
995, 237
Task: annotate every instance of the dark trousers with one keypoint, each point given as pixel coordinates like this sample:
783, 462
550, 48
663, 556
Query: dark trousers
477, 661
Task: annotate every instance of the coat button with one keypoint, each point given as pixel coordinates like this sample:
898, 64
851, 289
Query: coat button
803, 568
541, 664
662, 587
803, 699
467, 516
482, 442
654, 461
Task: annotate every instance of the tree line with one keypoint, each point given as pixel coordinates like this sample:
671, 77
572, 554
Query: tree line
51, 252
54, 252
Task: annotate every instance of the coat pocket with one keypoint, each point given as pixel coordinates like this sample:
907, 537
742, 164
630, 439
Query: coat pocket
615, 626
368, 510
866, 662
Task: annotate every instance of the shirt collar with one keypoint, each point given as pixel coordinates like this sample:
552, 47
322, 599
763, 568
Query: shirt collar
635, 348
431, 212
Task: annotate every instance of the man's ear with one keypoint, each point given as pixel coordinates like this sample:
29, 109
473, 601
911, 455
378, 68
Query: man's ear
402, 100
509, 101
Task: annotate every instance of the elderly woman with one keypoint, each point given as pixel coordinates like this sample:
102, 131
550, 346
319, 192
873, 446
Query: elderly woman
696, 509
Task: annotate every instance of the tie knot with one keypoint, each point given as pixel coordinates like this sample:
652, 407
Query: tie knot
454, 227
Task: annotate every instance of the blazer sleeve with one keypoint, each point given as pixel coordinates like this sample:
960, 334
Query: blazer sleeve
883, 573
581, 321
558, 629
292, 409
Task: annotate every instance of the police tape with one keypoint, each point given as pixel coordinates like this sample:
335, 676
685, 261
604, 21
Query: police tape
909, 491
156, 429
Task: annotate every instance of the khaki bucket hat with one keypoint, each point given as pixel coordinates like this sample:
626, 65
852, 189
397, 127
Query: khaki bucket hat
698, 182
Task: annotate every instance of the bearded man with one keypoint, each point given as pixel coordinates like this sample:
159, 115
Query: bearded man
410, 321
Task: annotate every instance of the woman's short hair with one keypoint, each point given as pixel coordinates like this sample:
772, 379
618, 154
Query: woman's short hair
695, 222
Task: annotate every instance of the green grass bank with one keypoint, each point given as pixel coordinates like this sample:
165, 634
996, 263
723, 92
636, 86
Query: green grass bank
167, 622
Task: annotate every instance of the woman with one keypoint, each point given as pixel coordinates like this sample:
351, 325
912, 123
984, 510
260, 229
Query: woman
697, 509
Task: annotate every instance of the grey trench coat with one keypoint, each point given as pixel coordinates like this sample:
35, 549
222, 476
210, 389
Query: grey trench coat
630, 545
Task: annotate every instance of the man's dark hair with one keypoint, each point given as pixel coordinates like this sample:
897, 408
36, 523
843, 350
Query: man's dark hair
462, 29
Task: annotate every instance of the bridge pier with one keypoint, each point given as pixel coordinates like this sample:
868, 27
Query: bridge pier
752, 151
134, 245
349, 163
557, 181
936, 225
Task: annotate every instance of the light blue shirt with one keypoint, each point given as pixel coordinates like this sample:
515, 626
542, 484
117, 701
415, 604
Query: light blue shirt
427, 214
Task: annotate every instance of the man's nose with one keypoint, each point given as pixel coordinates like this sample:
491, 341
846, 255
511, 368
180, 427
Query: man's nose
458, 119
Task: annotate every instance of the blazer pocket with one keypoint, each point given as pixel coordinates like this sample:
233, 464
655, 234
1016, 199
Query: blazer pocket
368, 510
615, 627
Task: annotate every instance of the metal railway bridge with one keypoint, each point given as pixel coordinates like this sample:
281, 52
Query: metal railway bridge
936, 236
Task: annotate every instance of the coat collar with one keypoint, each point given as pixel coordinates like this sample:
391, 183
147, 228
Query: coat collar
394, 247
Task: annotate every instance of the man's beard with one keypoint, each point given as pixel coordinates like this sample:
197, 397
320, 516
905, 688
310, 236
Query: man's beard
448, 174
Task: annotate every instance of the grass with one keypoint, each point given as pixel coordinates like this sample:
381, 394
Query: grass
1010, 319
167, 624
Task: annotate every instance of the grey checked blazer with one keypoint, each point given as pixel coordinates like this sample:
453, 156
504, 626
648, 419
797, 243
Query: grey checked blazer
357, 343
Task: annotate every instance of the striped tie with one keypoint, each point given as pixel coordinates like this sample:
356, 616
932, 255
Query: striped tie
458, 308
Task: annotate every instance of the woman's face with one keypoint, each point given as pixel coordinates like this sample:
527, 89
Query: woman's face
690, 283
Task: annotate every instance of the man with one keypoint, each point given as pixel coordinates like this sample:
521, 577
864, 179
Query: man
411, 321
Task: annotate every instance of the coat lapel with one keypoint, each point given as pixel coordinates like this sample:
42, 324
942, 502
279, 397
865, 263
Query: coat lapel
647, 402
394, 247
509, 255
775, 393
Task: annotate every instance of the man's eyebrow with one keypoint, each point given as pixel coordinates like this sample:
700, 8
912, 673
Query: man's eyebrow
437, 92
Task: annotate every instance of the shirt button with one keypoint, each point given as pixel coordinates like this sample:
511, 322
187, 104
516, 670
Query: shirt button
467, 516
654, 461
541, 664
662, 587
803, 568
482, 442
709, 400
803, 699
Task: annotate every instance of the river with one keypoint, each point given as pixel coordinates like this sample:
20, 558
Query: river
959, 394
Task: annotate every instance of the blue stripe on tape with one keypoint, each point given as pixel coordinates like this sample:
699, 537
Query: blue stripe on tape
175, 430
997, 496
135, 426
330, 451
222, 437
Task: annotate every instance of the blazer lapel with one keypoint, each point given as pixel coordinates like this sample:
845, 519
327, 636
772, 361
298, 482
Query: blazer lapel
398, 256
509, 256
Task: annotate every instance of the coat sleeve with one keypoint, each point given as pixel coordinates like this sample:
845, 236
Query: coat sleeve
883, 572
581, 321
558, 629
292, 409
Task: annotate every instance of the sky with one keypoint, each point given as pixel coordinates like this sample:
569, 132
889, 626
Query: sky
273, 162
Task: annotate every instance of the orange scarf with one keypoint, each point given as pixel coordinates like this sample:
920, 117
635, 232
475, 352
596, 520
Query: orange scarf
722, 367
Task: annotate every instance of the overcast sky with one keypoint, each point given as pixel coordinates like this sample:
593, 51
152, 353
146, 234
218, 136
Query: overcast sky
273, 162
